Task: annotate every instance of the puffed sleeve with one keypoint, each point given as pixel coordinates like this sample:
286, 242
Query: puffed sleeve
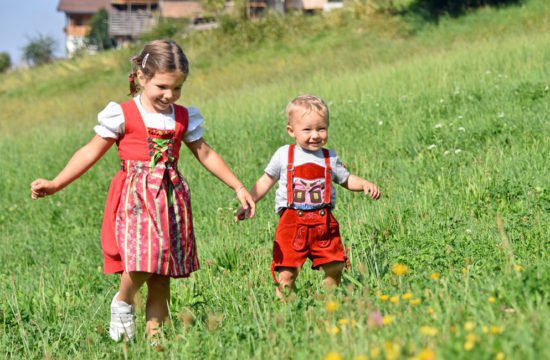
194, 128
111, 121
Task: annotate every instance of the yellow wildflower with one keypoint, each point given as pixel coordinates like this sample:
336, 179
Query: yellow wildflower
496, 329
333, 330
407, 296
426, 354
428, 331
469, 325
434, 276
499, 356
415, 301
491, 299
394, 299
485, 329
430, 311
469, 345
343, 321
464, 271
400, 269
361, 357
332, 306
333, 355
518, 268
472, 338
384, 297
388, 319
391, 350
452, 329
375, 352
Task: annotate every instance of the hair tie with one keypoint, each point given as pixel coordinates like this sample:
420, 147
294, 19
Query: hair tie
144, 61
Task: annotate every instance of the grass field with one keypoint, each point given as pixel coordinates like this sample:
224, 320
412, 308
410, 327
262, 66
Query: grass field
450, 120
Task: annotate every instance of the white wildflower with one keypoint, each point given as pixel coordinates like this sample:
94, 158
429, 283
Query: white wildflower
468, 231
461, 129
501, 115
380, 123
446, 152
438, 126
432, 146
460, 117
458, 151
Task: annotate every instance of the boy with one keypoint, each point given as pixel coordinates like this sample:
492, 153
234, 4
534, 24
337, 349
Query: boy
305, 196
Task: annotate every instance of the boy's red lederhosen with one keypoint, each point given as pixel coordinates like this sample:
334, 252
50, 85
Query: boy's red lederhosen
307, 228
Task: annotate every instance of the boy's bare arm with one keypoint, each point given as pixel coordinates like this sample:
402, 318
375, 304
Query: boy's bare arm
355, 183
258, 191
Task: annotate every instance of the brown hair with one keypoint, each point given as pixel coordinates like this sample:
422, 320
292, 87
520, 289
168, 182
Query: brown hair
308, 103
157, 56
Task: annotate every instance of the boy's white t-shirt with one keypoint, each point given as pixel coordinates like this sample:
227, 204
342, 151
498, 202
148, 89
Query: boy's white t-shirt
277, 168
111, 121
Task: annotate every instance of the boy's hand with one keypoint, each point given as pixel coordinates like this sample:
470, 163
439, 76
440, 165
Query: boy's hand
371, 190
248, 206
41, 188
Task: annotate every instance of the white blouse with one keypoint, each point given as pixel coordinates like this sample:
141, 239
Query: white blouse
111, 121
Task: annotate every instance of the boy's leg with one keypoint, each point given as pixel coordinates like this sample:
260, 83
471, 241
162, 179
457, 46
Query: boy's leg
287, 279
158, 297
333, 273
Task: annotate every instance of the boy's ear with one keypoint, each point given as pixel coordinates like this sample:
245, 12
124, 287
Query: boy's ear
290, 130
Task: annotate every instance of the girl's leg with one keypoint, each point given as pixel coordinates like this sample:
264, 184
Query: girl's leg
333, 273
158, 297
130, 283
287, 278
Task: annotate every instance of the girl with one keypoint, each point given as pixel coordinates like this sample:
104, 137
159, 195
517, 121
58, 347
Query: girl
147, 232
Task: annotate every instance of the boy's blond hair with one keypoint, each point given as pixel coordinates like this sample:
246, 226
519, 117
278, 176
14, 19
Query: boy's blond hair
308, 103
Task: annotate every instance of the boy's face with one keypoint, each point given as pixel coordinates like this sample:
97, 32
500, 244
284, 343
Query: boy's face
309, 129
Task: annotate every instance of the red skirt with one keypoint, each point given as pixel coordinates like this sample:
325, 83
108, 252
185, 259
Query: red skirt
148, 223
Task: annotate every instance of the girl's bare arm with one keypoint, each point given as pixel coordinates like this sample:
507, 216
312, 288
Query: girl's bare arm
80, 162
214, 163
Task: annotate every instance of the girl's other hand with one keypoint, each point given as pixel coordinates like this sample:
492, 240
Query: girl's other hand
41, 188
371, 190
248, 206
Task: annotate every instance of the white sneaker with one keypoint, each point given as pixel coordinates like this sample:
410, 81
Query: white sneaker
122, 323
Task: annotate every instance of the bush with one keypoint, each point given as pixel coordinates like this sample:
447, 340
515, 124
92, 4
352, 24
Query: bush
5, 61
98, 36
39, 50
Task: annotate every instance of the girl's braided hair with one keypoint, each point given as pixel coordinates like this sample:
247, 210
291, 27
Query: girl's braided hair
157, 56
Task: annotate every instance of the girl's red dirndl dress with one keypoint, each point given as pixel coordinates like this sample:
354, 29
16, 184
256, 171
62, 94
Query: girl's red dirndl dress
147, 225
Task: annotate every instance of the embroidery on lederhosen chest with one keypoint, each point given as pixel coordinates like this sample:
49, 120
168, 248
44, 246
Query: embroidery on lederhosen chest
309, 184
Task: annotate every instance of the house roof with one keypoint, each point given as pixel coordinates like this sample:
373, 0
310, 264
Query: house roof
82, 6
181, 9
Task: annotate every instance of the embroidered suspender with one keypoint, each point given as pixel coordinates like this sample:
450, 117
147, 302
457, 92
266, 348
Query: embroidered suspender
290, 176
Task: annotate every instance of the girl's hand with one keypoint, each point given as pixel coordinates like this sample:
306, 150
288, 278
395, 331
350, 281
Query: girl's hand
248, 206
371, 190
41, 188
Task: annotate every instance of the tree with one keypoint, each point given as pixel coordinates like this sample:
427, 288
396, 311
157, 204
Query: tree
40, 50
5, 61
98, 36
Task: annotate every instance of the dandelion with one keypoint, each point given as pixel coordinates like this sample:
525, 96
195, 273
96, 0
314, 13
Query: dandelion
333, 355
438, 126
400, 269
464, 271
426, 354
461, 129
333, 330
468, 345
343, 322
434, 276
430, 311
518, 268
384, 297
432, 146
491, 299
499, 356
472, 338
485, 329
496, 329
407, 296
332, 306
388, 319
375, 352
452, 329
415, 301
428, 331
458, 151
469, 325
361, 357
394, 299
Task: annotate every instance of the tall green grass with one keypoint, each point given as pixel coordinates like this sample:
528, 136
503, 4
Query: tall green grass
451, 121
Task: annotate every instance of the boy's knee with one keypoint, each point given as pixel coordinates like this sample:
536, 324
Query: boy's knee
333, 269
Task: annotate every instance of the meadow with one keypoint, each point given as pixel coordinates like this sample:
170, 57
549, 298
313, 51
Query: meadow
451, 120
